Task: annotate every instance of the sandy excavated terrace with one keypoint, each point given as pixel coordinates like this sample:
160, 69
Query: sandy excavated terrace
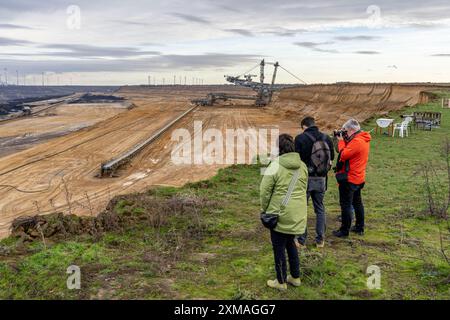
60, 174
21, 134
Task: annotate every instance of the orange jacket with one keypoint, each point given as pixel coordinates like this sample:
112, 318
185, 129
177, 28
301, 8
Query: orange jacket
357, 152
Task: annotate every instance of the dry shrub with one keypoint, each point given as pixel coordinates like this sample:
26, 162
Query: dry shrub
135, 209
436, 195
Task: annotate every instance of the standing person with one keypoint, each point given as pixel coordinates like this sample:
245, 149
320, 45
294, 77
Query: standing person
354, 147
317, 152
283, 195
336, 149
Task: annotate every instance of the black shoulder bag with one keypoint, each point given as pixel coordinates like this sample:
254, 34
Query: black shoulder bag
270, 220
342, 177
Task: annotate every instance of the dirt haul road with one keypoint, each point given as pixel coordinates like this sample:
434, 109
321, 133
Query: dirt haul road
60, 175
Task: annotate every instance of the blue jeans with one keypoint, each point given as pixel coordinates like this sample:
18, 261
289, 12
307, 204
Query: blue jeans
319, 208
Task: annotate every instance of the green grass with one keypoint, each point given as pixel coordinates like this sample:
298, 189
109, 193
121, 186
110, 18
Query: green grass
228, 255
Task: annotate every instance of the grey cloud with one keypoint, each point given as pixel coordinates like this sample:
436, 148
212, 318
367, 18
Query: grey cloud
308, 44
259, 16
13, 26
78, 50
89, 51
24, 5
315, 46
241, 32
282, 10
326, 50
426, 26
356, 9
152, 44
356, 38
208, 60
325, 11
421, 11
281, 32
228, 8
191, 18
9, 9
131, 23
13, 42
368, 52
156, 63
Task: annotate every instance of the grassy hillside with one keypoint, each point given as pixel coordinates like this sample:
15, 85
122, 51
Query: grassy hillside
204, 240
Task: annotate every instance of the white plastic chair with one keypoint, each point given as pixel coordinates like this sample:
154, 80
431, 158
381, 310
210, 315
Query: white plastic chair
410, 123
402, 128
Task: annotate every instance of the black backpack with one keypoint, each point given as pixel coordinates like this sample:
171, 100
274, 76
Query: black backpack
320, 155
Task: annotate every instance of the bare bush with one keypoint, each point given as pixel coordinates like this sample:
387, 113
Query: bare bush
177, 222
438, 201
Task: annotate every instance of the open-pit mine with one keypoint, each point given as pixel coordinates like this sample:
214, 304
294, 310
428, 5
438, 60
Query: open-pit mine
51, 159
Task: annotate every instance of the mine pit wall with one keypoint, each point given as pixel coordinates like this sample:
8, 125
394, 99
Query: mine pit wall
333, 104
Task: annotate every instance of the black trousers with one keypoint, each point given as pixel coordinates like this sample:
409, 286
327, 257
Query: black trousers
350, 195
281, 243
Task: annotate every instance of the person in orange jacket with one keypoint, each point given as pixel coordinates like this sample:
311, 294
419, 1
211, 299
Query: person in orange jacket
354, 147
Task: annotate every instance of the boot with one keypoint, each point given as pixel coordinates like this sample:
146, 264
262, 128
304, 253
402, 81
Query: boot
358, 230
340, 234
320, 244
276, 285
294, 281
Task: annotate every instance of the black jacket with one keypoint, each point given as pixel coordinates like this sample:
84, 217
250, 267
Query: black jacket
304, 144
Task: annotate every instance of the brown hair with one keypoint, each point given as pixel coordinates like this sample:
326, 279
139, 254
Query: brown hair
285, 144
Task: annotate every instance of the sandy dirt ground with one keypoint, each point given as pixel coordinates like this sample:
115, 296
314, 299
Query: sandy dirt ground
60, 174
22, 133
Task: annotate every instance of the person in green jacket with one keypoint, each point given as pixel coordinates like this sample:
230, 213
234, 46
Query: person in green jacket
290, 208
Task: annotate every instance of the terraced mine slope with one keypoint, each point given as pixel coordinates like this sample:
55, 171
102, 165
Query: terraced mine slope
334, 104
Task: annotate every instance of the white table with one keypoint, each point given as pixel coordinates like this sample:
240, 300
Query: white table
383, 123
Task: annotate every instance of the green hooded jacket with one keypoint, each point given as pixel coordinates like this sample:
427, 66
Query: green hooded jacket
273, 189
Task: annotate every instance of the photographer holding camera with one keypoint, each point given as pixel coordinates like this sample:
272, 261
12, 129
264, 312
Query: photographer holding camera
353, 146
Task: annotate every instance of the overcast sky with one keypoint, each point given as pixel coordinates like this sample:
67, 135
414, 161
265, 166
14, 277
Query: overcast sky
123, 42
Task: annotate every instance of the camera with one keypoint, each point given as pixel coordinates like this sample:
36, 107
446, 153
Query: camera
339, 133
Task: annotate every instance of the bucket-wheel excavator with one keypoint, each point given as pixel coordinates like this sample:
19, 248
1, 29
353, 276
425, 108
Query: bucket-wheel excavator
264, 91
